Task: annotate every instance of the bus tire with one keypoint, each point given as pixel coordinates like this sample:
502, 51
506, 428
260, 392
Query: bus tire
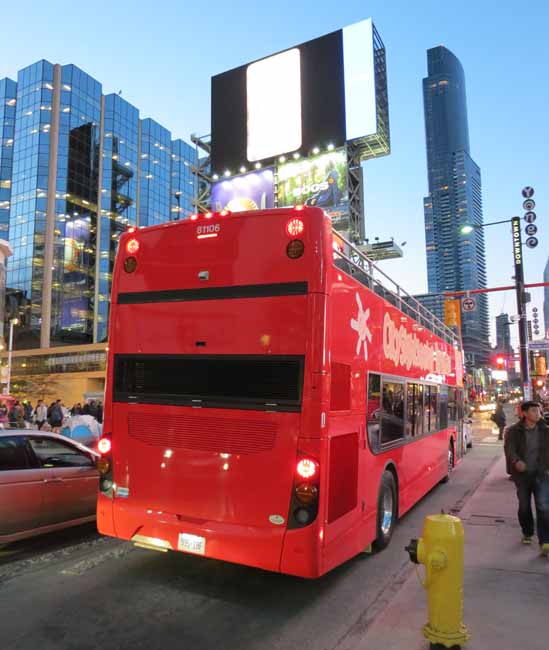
451, 462
386, 511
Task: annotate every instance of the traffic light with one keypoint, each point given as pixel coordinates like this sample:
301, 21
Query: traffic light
540, 383
500, 361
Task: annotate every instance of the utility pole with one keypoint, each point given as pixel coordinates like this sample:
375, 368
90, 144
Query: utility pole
521, 311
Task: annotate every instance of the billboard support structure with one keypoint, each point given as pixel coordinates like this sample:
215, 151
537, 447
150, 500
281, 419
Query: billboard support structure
202, 173
355, 189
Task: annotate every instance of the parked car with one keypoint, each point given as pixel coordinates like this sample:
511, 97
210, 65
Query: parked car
468, 432
47, 482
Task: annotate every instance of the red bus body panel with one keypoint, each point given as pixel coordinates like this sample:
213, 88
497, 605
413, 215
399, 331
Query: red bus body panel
227, 474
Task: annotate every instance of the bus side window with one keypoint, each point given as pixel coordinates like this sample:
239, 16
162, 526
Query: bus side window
434, 424
414, 401
373, 410
452, 406
443, 408
392, 415
426, 408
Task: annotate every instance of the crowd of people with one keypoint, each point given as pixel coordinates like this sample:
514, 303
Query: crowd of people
22, 414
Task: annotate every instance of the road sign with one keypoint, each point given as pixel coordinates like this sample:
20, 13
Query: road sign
539, 345
532, 242
530, 217
529, 204
469, 304
531, 229
527, 192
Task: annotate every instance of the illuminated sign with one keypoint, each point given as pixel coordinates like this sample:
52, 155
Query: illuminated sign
517, 248
327, 91
499, 375
360, 89
320, 182
274, 118
253, 191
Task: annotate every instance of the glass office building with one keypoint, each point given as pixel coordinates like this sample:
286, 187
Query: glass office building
8, 91
77, 167
455, 262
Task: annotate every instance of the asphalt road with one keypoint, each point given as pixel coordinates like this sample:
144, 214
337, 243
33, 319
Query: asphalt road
79, 591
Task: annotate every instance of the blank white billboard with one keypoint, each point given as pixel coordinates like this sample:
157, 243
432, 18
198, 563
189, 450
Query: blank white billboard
274, 117
360, 90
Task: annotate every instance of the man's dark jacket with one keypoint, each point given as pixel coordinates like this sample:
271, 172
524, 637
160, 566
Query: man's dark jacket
515, 446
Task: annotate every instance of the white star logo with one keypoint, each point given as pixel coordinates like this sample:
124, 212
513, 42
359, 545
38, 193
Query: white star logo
360, 325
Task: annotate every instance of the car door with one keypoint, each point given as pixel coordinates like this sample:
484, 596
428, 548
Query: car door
71, 479
21, 488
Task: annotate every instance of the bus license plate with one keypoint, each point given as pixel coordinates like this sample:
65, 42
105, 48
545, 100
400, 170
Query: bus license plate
191, 543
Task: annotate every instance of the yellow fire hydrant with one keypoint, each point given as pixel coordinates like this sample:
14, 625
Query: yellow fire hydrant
440, 550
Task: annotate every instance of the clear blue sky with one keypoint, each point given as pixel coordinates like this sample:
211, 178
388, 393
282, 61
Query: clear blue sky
162, 57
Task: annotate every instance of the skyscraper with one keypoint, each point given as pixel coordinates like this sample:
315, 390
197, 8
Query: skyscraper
503, 335
455, 262
546, 300
77, 167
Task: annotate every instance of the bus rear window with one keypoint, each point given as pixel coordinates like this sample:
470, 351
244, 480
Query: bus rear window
223, 381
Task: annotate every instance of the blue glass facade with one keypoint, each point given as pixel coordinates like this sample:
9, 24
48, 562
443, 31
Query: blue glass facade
454, 262
155, 174
8, 99
76, 208
120, 165
183, 180
76, 169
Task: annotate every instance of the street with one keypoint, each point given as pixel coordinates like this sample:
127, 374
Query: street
76, 590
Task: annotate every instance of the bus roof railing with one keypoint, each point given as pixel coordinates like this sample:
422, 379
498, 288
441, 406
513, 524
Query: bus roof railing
364, 270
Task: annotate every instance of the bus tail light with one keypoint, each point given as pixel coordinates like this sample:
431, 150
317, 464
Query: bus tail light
130, 264
132, 246
306, 468
295, 249
305, 495
104, 446
294, 227
104, 466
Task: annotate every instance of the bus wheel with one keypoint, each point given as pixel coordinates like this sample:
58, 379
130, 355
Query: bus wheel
451, 462
386, 511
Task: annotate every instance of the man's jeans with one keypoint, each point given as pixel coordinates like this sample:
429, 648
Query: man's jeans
528, 485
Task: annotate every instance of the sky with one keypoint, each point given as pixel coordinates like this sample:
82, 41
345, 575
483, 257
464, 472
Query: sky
162, 57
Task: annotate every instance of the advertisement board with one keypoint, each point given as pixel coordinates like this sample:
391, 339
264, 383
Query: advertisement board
325, 91
321, 182
252, 191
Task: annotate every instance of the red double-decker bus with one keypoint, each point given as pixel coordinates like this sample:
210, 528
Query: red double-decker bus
271, 399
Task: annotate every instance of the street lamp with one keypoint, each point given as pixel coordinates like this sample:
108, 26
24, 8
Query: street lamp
13, 322
519, 288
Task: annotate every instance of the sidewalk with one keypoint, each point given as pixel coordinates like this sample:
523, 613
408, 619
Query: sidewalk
506, 584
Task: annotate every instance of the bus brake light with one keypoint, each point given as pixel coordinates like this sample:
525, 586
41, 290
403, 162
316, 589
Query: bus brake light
132, 246
306, 468
104, 446
295, 227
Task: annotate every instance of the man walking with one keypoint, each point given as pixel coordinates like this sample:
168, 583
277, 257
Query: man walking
528, 456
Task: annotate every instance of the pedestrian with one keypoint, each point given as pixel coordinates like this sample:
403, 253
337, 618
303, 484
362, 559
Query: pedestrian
16, 416
40, 414
56, 416
528, 453
27, 412
499, 418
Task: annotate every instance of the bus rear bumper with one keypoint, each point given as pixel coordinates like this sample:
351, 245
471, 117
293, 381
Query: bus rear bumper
250, 545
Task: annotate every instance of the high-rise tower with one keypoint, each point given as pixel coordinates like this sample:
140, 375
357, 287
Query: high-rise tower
455, 262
